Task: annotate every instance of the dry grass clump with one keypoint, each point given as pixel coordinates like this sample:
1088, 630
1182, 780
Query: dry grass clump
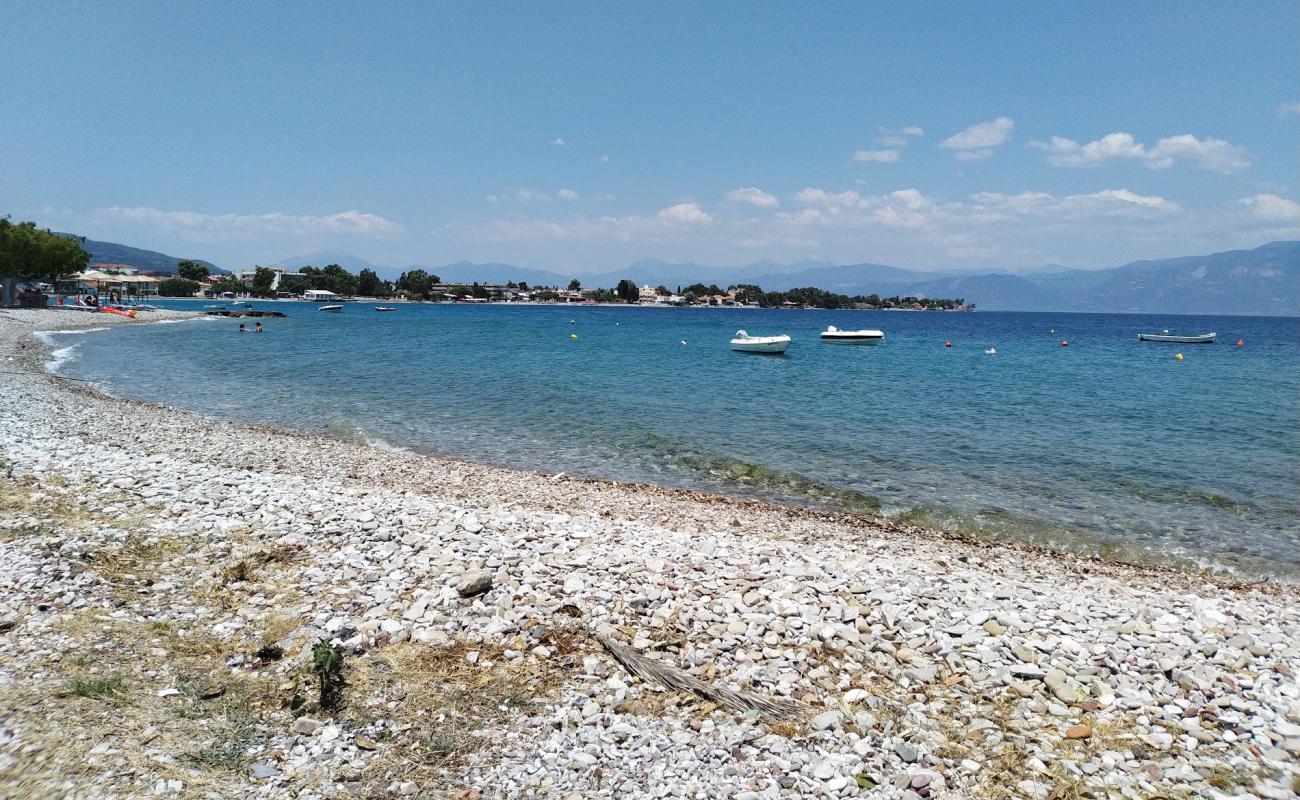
436, 700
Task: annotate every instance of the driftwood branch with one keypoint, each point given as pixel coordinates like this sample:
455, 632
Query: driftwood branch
651, 669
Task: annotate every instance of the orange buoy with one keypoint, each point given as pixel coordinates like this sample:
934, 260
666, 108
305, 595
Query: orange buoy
1240, 342
947, 344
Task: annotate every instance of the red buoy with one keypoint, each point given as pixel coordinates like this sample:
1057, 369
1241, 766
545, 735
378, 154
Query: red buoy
1065, 343
1240, 342
947, 344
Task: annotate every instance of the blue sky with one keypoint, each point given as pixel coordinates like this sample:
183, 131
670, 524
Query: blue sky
586, 135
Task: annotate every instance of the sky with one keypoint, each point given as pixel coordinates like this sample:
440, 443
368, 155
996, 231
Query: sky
584, 136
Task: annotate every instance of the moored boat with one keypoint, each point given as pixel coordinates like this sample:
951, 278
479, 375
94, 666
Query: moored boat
385, 308
745, 343
834, 334
1166, 336
333, 308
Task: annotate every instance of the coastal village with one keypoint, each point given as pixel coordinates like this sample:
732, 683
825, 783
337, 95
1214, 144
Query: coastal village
334, 284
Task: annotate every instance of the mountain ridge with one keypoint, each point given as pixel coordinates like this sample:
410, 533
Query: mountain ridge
1263, 280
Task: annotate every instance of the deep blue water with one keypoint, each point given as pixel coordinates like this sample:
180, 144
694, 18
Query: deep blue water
1108, 445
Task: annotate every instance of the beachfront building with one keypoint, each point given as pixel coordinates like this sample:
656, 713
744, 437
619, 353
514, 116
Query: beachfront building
126, 281
319, 295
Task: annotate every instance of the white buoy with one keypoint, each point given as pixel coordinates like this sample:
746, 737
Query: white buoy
992, 351
683, 342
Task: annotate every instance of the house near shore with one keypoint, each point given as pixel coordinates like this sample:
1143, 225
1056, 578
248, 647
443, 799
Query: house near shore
320, 295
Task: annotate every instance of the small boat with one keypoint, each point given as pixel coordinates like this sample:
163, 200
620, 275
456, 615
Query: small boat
992, 351
385, 308
834, 334
215, 307
335, 309
1166, 336
759, 344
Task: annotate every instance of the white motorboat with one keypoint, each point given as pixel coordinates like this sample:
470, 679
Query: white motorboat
834, 334
759, 344
336, 309
1166, 336
385, 308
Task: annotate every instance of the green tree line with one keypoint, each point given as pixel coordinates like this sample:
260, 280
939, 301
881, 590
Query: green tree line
31, 253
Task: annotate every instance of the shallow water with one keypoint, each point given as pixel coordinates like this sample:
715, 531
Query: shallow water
1108, 445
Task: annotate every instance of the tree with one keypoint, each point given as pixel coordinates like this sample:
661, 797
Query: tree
417, 282
228, 283
29, 252
627, 291
263, 277
523, 286
294, 284
191, 270
368, 283
662, 291
873, 299
178, 287
748, 293
575, 285
700, 290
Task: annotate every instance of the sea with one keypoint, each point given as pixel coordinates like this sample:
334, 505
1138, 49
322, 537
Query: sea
1103, 446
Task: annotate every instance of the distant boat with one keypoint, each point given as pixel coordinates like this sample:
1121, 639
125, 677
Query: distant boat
385, 308
834, 334
335, 309
759, 344
1166, 336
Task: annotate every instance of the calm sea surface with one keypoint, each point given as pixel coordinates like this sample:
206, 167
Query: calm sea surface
1109, 445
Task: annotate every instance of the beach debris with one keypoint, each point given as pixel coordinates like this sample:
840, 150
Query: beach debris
651, 669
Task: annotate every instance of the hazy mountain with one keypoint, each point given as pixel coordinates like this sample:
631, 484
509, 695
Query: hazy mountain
468, 272
113, 253
322, 258
1265, 280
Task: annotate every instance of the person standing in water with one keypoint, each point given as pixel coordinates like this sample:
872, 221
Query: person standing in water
257, 328
242, 329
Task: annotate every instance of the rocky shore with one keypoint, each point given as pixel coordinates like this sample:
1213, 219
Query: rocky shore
174, 591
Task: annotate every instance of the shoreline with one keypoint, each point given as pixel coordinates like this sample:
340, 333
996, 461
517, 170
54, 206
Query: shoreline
887, 614
1169, 565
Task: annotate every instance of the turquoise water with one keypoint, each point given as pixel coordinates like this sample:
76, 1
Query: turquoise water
1109, 445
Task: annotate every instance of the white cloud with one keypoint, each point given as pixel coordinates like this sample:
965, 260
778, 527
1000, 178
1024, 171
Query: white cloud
994, 206
813, 196
558, 142
1112, 225
685, 214
200, 227
1216, 155
899, 138
1288, 109
753, 196
978, 141
567, 194
1272, 208
876, 156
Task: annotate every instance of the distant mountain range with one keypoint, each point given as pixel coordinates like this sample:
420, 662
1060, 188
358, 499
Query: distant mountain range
113, 253
1265, 280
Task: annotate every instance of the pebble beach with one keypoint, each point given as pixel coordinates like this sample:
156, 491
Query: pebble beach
165, 578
